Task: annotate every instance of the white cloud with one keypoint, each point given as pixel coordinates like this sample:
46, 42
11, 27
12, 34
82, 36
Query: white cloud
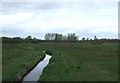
68, 17
15, 18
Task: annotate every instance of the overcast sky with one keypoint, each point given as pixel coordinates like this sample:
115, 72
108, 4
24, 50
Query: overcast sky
86, 19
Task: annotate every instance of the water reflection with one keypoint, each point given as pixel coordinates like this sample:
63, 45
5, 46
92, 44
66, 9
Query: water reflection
37, 71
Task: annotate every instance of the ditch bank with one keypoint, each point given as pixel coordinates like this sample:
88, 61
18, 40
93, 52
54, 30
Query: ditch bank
41, 60
30, 69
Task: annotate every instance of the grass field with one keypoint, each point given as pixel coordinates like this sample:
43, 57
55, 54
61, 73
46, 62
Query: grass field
69, 62
17, 59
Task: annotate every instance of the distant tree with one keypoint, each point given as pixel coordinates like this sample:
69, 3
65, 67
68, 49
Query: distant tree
64, 37
60, 37
87, 39
90, 39
95, 38
28, 39
77, 37
69, 36
83, 39
73, 37
47, 36
12, 40
56, 36
52, 36
17, 40
34, 40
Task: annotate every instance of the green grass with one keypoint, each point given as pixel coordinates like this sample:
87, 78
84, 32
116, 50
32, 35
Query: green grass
97, 62
69, 62
0, 62
17, 58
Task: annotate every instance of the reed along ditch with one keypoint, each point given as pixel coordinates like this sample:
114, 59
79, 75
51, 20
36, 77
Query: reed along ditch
35, 73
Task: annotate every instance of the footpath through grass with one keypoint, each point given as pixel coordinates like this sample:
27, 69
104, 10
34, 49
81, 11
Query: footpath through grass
69, 62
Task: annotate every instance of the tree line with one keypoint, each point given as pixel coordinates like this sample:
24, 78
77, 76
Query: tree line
28, 39
60, 37
56, 37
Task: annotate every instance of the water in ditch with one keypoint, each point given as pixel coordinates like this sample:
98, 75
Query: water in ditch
34, 75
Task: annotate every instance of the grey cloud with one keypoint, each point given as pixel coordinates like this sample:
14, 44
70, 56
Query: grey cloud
16, 7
